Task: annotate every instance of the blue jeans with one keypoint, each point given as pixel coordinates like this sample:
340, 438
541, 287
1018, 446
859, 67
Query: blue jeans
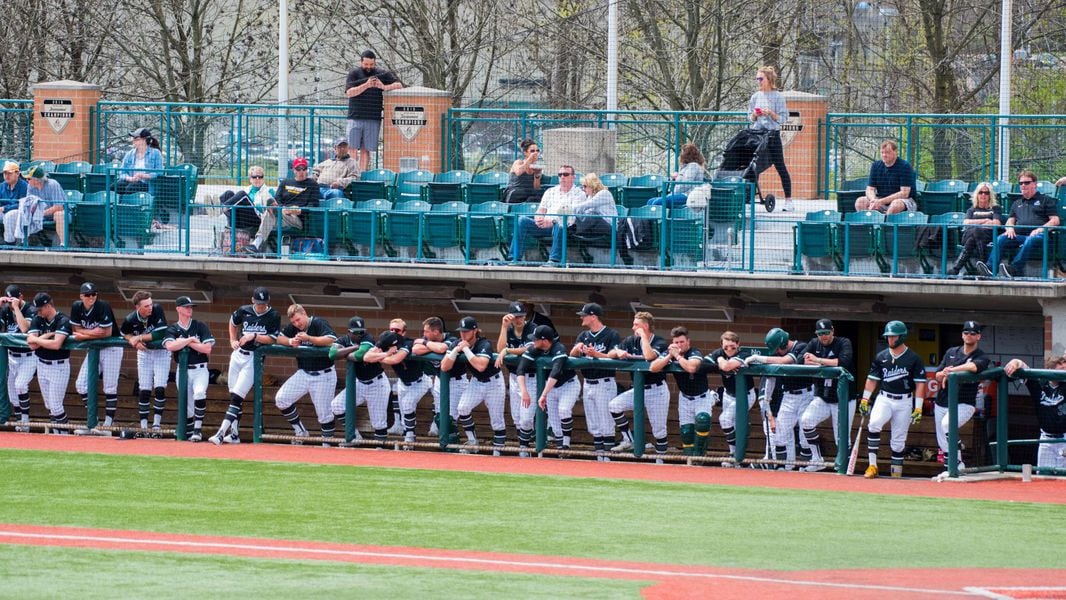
1031, 247
669, 201
328, 193
527, 227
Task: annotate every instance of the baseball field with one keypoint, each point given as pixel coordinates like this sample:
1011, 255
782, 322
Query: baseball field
92, 517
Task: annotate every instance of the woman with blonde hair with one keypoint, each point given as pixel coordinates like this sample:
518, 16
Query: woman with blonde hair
984, 213
767, 110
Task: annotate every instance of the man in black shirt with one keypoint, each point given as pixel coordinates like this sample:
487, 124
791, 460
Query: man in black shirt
560, 387
695, 400
796, 394
599, 387
15, 317
516, 331
643, 345
315, 375
412, 383
365, 89
485, 385
194, 335
46, 335
296, 193
827, 349
1050, 402
438, 341
371, 384
726, 360
967, 358
91, 318
146, 324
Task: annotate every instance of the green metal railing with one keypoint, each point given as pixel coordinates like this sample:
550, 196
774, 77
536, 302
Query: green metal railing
16, 129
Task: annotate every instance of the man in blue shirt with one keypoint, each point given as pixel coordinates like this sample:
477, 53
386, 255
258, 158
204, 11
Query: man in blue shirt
14, 187
890, 183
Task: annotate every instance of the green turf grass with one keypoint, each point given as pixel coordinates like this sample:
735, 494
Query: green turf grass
33, 572
624, 520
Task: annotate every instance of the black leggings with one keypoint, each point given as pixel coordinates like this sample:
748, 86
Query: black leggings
777, 156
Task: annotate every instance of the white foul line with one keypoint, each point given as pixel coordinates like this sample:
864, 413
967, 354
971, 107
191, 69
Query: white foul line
479, 561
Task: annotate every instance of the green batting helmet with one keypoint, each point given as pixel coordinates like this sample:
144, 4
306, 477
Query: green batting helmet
897, 329
776, 339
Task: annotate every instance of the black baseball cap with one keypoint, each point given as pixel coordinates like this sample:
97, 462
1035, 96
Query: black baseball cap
41, 299
388, 339
356, 325
142, 132
467, 324
544, 332
36, 172
89, 288
261, 295
516, 308
184, 301
972, 327
590, 309
823, 326
13, 291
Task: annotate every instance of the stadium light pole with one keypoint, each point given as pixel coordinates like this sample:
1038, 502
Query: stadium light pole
283, 86
1005, 57
612, 58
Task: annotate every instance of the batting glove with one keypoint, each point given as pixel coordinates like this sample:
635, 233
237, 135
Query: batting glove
754, 359
916, 416
864, 407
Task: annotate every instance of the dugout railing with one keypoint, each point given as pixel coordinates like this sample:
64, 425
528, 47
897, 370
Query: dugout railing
1002, 442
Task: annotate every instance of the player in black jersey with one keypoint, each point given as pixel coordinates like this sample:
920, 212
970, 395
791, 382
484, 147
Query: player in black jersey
15, 317
726, 360
561, 388
695, 400
967, 358
92, 319
485, 385
599, 386
146, 324
371, 385
827, 349
1050, 402
48, 331
515, 333
644, 344
194, 335
438, 341
900, 373
412, 383
796, 393
315, 375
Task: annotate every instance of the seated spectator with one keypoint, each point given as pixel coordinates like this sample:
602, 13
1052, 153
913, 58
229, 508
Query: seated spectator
294, 194
249, 203
14, 187
548, 221
43, 201
984, 213
335, 175
523, 184
141, 164
692, 162
593, 214
1026, 226
891, 181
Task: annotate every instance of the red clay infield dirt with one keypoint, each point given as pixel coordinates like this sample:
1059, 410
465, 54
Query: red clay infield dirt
668, 581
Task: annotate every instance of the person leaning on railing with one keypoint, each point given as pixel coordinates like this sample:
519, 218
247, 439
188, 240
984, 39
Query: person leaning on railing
1050, 402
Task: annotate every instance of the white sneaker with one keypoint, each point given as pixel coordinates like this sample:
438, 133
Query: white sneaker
623, 447
300, 434
396, 429
216, 439
232, 439
197, 436
470, 447
433, 431
814, 468
659, 461
496, 453
523, 454
788, 206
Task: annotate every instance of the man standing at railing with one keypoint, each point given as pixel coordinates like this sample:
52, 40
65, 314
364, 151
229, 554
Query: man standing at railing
1029, 220
365, 89
371, 383
890, 183
967, 358
644, 344
189, 333
485, 383
695, 400
294, 194
1050, 401
561, 389
796, 393
516, 332
599, 386
93, 319
727, 360
142, 326
314, 376
827, 349
15, 317
48, 331
333, 175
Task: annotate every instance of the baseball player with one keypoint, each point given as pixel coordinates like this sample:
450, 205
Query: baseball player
726, 360
600, 387
1050, 405
561, 388
93, 319
393, 349
314, 376
48, 331
372, 386
967, 358
436, 340
485, 383
826, 350
643, 345
15, 317
901, 374
695, 400
145, 324
250, 326
797, 393
515, 332
189, 333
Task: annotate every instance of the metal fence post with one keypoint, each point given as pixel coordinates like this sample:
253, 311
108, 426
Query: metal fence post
92, 370
349, 404
182, 377
741, 422
257, 418
444, 423
638, 413
541, 418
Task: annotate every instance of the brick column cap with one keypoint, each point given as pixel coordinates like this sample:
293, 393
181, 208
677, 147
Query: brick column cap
797, 95
65, 84
417, 91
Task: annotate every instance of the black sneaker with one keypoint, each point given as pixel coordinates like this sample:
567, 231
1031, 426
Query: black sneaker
1007, 271
983, 270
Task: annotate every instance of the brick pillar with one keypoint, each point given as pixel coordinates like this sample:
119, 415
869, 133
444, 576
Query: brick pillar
800, 137
62, 120
412, 128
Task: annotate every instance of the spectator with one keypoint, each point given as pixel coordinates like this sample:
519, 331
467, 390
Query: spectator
984, 213
14, 187
548, 222
1032, 214
594, 213
141, 164
767, 111
890, 183
251, 202
333, 175
43, 201
364, 88
293, 195
692, 162
523, 183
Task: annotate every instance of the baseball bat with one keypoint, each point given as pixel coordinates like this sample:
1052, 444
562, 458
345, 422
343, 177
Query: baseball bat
855, 447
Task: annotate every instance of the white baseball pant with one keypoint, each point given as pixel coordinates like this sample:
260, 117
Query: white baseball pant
241, 374
456, 387
320, 385
196, 388
817, 412
656, 404
375, 393
53, 379
523, 417
1050, 456
490, 392
895, 410
596, 398
690, 406
788, 416
110, 364
561, 401
20, 371
153, 369
727, 419
940, 418
409, 395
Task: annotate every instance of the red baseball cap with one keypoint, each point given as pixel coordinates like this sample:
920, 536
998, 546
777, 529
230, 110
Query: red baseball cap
299, 161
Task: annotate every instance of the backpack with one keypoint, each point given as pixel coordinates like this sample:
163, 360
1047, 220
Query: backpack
638, 234
246, 216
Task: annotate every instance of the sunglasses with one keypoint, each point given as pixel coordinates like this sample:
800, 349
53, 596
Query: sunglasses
256, 176
983, 193
820, 333
971, 333
759, 78
90, 295
566, 174
1026, 182
299, 168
